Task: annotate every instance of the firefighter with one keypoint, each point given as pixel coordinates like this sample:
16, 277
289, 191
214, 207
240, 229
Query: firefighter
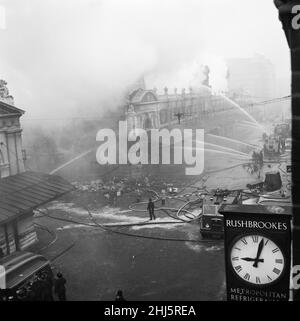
254, 156
283, 145
48, 287
261, 158
59, 287
37, 288
163, 197
138, 195
119, 296
150, 208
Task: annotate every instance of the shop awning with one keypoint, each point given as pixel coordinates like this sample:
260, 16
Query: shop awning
21, 193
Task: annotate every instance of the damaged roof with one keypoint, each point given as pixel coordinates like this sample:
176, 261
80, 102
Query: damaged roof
9, 110
21, 193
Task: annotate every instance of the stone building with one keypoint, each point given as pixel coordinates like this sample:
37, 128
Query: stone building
148, 110
197, 107
21, 191
11, 153
254, 76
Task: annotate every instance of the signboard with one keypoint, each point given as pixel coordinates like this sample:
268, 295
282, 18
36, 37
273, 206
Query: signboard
257, 252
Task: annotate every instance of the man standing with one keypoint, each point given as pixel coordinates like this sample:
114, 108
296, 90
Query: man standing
163, 197
119, 296
150, 208
138, 195
49, 285
59, 287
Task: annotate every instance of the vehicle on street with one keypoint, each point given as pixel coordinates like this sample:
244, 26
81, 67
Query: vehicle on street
21, 272
211, 222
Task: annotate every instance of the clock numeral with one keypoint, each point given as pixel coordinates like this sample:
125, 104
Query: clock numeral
276, 271
279, 261
266, 242
236, 248
269, 278
257, 280
244, 241
255, 238
275, 250
236, 258
238, 268
247, 276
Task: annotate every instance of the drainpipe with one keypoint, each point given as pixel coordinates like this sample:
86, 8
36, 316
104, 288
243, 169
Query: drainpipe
289, 15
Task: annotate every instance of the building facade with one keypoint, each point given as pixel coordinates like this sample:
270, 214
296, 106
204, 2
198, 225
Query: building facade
20, 191
11, 152
198, 107
253, 76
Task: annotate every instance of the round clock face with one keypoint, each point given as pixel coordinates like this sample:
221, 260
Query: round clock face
257, 259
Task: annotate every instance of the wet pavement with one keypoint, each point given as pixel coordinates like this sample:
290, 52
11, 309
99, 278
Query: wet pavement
162, 261
101, 262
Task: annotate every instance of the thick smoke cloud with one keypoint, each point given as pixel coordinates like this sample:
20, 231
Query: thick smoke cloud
70, 58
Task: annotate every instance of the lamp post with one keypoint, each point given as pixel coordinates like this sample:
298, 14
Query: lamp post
289, 15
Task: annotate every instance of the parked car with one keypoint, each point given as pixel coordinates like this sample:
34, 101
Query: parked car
19, 274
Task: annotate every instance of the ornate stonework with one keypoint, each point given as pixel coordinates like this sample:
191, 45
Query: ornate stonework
4, 93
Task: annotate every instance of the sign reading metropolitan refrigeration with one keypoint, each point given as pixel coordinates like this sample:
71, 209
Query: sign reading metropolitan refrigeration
244, 294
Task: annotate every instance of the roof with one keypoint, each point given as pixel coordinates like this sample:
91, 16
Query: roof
21, 193
210, 209
7, 110
19, 266
256, 209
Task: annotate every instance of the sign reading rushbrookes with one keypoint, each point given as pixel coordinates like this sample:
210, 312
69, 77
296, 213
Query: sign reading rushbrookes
257, 252
257, 225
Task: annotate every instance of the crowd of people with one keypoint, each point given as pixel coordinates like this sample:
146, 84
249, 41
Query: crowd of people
41, 287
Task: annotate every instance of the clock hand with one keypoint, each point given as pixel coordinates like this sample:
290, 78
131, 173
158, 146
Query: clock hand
249, 259
259, 250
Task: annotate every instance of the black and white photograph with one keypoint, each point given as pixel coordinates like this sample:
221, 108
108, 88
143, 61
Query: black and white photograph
149, 152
